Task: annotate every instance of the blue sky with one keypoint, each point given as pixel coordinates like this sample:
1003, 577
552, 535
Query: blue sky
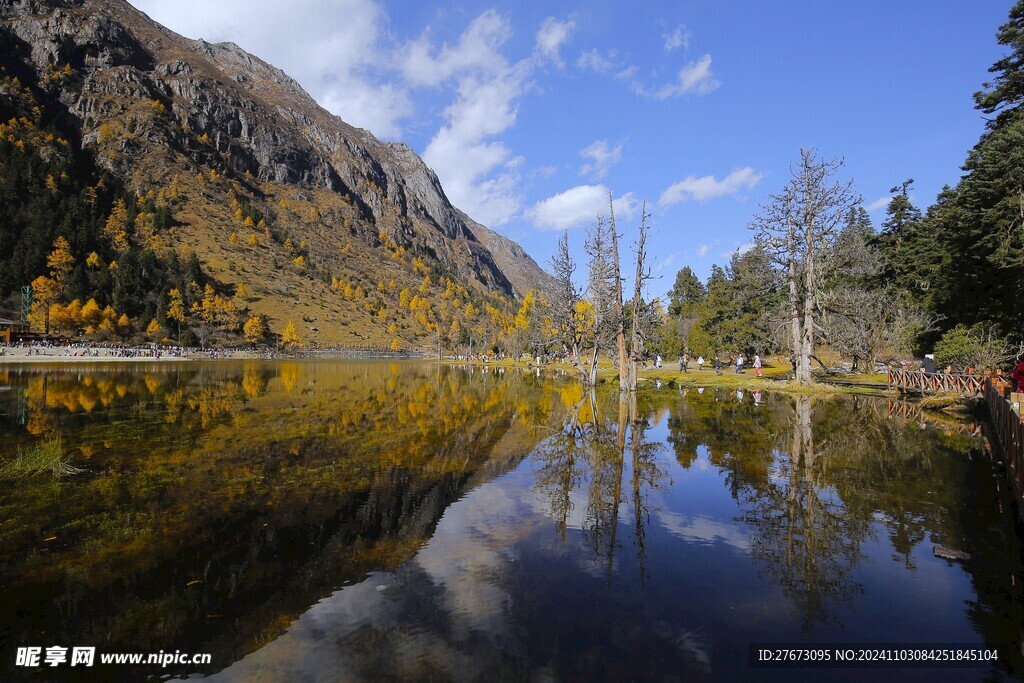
531, 112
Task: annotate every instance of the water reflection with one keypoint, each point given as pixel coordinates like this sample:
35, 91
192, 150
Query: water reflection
221, 500
384, 521
590, 454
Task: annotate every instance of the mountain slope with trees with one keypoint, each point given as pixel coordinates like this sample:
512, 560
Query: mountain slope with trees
172, 165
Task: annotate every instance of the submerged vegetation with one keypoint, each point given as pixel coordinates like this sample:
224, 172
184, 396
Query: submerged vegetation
45, 457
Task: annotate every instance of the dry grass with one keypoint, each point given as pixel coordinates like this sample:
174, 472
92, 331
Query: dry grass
46, 457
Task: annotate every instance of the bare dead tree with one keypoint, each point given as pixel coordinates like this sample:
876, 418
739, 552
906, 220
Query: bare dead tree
869, 325
620, 332
573, 326
601, 287
797, 229
644, 314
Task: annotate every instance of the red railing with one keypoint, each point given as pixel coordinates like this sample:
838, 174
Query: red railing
936, 382
1009, 431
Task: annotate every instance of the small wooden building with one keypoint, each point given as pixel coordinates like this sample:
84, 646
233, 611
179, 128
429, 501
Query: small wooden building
12, 330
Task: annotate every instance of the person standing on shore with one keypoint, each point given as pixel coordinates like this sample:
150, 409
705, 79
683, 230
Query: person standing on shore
700, 362
757, 365
739, 364
718, 365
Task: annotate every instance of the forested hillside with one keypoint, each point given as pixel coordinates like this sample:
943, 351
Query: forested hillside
161, 188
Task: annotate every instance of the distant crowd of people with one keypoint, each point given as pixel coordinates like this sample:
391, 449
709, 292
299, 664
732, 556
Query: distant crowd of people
739, 362
105, 350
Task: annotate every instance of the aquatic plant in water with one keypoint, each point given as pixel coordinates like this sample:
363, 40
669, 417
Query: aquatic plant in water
47, 456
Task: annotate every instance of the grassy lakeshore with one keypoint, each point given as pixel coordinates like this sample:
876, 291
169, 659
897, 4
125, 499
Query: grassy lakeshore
775, 377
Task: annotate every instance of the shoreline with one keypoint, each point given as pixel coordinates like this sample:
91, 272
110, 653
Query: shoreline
774, 379
20, 356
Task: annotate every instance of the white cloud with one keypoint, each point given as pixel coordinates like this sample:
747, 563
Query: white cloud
476, 52
543, 173
880, 203
667, 261
550, 38
739, 250
333, 49
593, 60
602, 158
696, 77
480, 175
578, 206
680, 38
464, 156
703, 248
707, 187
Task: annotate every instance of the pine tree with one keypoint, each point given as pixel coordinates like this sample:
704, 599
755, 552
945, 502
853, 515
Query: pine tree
1006, 92
60, 262
687, 292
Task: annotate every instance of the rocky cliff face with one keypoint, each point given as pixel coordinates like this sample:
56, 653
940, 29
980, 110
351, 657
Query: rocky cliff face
152, 104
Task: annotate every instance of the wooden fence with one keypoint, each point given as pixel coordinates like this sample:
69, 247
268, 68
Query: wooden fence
936, 382
1007, 427
1009, 432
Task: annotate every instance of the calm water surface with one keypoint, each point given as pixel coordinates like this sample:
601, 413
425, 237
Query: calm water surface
328, 521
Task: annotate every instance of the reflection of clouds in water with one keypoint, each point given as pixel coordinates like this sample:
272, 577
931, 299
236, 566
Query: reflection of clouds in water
467, 556
577, 513
575, 546
312, 647
449, 614
424, 620
704, 530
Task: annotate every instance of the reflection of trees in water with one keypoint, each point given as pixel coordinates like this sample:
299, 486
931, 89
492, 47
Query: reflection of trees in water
800, 529
816, 475
257, 479
589, 454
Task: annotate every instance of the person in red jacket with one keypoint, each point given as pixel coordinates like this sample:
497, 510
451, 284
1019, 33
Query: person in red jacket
1018, 373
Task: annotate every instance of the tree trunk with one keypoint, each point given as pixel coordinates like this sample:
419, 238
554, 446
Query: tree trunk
794, 301
810, 240
620, 331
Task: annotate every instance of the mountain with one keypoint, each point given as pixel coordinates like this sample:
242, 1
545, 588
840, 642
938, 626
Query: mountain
312, 219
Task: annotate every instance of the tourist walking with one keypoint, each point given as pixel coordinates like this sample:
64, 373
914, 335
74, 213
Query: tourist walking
757, 365
657, 361
682, 363
700, 362
718, 365
739, 364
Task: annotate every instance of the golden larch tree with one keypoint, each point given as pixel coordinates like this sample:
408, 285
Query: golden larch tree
254, 329
290, 335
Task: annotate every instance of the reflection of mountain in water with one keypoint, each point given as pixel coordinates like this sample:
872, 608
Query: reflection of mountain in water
310, 521
266, 487
573, 566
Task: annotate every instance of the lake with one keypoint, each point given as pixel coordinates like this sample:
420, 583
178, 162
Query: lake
366, 521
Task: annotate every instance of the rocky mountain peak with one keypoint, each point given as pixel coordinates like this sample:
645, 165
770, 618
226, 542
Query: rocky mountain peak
252, 120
